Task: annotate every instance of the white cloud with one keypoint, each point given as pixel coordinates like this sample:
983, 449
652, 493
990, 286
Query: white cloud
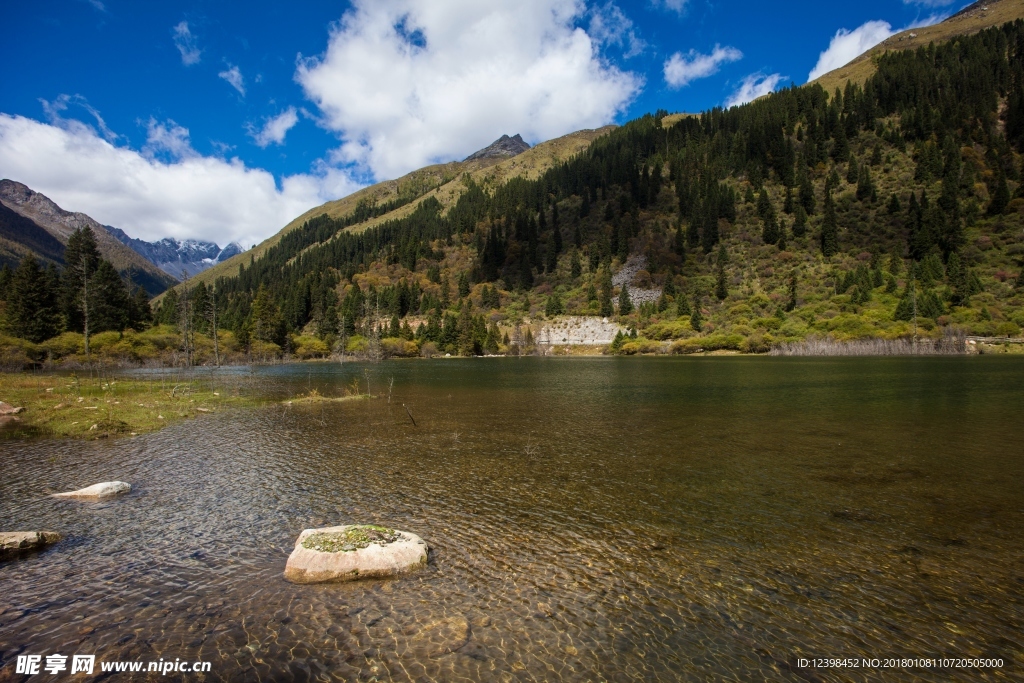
167, 140
846, 45
682, 70
929, 3
752, 87
674, 5
97, 5
186, 44
190, 196
407, 83
57, 107
275, 128
233, 76
609, 26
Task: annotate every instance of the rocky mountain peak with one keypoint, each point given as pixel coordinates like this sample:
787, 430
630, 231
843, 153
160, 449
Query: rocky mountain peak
504, 146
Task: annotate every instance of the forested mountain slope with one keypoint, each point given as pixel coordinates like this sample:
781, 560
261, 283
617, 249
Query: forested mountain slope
971, 19
877, 211
394, 199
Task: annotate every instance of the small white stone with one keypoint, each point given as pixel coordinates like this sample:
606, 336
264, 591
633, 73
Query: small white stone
106, 489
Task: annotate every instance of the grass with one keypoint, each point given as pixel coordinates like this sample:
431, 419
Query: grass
352, 538
997, 12
72, 406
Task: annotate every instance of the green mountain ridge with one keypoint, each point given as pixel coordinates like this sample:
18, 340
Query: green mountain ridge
803, 214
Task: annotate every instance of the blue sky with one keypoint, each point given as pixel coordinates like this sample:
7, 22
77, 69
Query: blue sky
223, 121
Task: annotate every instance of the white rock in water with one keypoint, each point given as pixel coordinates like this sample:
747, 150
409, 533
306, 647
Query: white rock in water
15, 542
107, 489
347, 563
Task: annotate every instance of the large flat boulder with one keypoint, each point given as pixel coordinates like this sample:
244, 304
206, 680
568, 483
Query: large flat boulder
106, 489
15, 542
354, 551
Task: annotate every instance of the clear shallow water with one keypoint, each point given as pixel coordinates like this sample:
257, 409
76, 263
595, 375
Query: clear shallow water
589, 519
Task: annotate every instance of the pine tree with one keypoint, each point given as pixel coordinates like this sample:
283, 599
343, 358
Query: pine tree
81, 258
32, 310
829, 229
894, 205
683, 307
625, 303
110, 299
605, 300
788, 204
806, 193
575, 266
852, 171
554, 305
764, 204
865, 188
696, 319
721, 286
799, 222
791, 304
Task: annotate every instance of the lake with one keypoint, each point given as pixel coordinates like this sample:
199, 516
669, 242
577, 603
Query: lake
589, 519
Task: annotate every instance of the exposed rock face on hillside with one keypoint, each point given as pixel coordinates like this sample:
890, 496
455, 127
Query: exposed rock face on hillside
175, 257
61, 224
504, 146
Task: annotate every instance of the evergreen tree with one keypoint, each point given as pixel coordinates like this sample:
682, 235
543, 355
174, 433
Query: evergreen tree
799, 222
764, 205
788, 204
829, 229
806, 192
721, 287
865, 188
575, 266
770, 229
894, 205
696, 318
791, 303
605, 300
463, 285
554, 305
110, 300
32, 309
625, 303
81, 259
265, 318
683, 307
852, 171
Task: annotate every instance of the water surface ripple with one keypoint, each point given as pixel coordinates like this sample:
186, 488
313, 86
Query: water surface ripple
589, 520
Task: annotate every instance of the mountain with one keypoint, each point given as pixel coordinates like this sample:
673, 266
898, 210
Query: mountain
892, 211
968, 21
175, 257
20, 236
396, 199
503, 147
60, 224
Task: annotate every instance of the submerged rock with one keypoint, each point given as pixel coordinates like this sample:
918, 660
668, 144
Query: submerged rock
106, 489
15, 542
353, 551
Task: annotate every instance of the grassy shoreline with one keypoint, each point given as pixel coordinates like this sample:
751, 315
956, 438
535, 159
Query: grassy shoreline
91, 407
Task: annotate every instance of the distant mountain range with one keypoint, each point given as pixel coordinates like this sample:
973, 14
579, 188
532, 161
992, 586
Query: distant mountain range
32, 223
176, 257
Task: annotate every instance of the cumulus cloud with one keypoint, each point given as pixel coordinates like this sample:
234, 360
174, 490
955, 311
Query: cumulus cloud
183, 195
610, 26
846, 45
752, 87
275, 128
406, 83
681, 70
186, 44
234, 76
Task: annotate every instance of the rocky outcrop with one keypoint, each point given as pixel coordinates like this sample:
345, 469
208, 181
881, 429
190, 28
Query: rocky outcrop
503, 147
106, 489
355, 551
16, 542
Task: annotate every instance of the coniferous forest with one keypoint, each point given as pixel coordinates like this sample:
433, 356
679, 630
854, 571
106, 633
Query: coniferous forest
888, 209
